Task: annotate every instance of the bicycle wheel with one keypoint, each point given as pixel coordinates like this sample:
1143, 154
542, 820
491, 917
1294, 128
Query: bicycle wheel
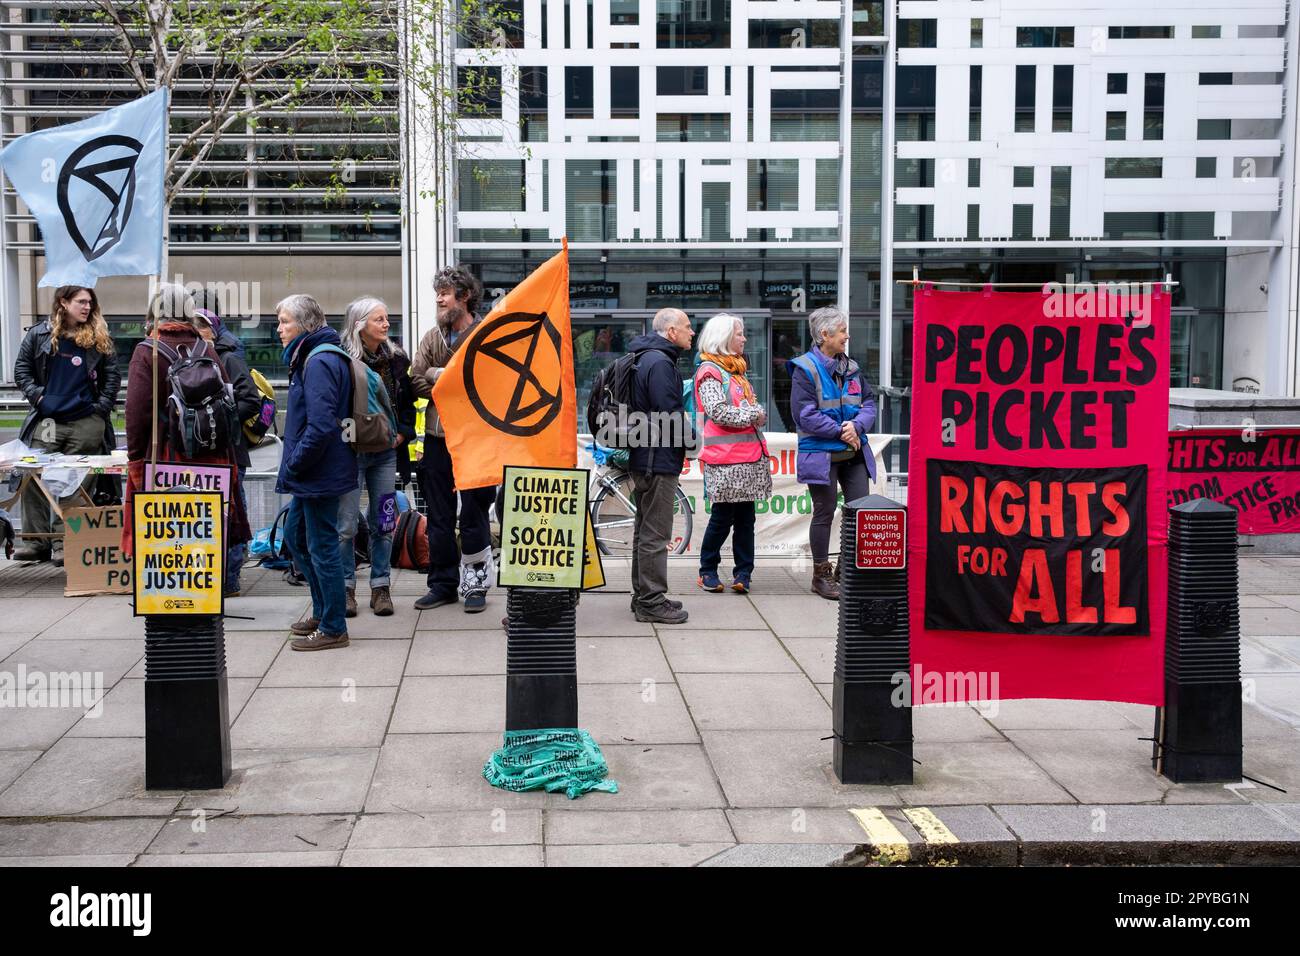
613, 517
683, 521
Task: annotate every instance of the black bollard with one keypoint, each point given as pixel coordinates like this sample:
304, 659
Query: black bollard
541, 658
186, 703
873, 736
1198, 731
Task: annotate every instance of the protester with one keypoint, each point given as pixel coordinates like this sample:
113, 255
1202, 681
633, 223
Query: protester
733, 451
67, 370
365, 336
656, 465
465, 572
318, 467
833, 410
248, 402
171, 328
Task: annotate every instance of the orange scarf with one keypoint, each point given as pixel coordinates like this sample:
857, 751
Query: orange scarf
735, 366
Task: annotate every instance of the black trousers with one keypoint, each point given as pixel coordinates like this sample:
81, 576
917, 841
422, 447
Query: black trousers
439, 490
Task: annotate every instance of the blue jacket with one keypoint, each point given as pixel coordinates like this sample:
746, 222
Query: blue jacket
657, 387
814, 467
317, 462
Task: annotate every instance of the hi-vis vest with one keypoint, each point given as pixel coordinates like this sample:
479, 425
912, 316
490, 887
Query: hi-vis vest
724, 445
840, 404
415, 447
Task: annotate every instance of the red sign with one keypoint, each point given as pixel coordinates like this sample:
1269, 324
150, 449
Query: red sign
1036, 491
882, 536
1255, 471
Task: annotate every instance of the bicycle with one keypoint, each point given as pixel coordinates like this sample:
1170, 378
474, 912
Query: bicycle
613, 510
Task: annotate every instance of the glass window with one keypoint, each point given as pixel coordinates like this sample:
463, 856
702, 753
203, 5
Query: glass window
1022, 221
693, 23
913, 223
590, 189
681, 80
1025, 94
1116, 124
785, 34
1214, 129
917, 33
1133, 167
1022, 176
976, 33
1206, 33
579, 91
1116, 83
1206, 167
972, 222
1045, 36
972, 172
1059, 226
1141, 33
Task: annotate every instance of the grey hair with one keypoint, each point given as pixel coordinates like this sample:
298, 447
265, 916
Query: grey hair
172, 303
827, 319
304, 310
664, 318
716, 335
356, 316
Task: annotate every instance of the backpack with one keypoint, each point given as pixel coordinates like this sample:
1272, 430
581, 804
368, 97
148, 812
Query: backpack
411, 542
611, 401
256, 426
269, 544
374, 423
688, 388
201, 413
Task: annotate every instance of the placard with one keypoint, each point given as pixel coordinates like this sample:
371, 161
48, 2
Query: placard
92, 552
543, 527
881, 536
593, 569
1036, 492
180, 552
165, 475
1255, 470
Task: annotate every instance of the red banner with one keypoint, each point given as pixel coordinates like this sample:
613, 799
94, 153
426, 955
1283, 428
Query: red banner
1036, 493
1256, 471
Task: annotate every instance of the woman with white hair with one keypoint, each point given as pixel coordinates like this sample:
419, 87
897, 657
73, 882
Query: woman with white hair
833, 411
365, 336
733, 452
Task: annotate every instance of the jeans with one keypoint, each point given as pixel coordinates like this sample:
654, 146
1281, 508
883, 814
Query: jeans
439, 488
653, 526
236, 553
311, 529
734, 518
853, 478
377, 473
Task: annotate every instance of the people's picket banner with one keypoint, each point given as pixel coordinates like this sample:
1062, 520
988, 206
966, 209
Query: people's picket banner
1036, 491
1255, 469
96, 189
507, 396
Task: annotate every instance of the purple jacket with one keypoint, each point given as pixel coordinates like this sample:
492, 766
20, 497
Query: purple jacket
814, 467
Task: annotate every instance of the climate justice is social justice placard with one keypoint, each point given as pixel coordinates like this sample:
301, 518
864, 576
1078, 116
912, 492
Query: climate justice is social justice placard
1036, 496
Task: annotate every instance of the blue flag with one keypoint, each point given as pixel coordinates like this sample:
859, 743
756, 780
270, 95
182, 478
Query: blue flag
96, 188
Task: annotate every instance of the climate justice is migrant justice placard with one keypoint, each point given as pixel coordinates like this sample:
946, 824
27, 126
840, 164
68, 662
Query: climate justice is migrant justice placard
180, 552
1036, 498
1255, 470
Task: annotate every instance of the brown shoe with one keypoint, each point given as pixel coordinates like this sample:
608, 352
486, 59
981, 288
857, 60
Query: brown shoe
351, 609
823, 582
304, 628
381, 602
319, 641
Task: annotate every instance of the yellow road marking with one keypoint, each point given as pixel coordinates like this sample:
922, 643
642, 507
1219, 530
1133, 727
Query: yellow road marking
890, 844
929, 826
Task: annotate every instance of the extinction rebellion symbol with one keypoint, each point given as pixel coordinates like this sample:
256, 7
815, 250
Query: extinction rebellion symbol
526, 396
112, 173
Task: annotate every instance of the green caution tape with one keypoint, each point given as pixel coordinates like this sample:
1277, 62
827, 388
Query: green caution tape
551, 760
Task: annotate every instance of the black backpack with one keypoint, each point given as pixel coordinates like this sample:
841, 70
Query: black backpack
611, 401
202, 417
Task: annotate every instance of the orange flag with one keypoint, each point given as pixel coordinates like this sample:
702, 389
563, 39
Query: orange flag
507, 396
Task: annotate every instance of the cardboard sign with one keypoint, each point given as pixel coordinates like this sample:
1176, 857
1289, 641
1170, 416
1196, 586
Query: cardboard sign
593, 571
881, 539
92, 552
180, 552
163, 476
1256, 471
544, 521
1037, 490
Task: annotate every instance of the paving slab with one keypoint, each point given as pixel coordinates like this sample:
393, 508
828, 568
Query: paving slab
110, 658
429, 705
267, 613
1286, 646
9, 643
122, 711
398, 626
1059, 715
104, 617
1095, 766
494, 827
1256, 658
634, 854
69, 862
635, 713
977, 772
725, 652
718, 611
1129, 823
755, 702
783, 854
449, 653
606, 614
795, 825
313, 717
296, 833
814, 655
364, 663
1270, 621
783, 769
291, 781
28, 616
310, 858
457, 856
620, 660
83, 776
582, 826
419, 772
13, 763
939, 722
802, 615
77, 837
655, 777
1277, 695
452, 617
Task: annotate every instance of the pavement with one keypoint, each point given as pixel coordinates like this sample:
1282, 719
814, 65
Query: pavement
715, 732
